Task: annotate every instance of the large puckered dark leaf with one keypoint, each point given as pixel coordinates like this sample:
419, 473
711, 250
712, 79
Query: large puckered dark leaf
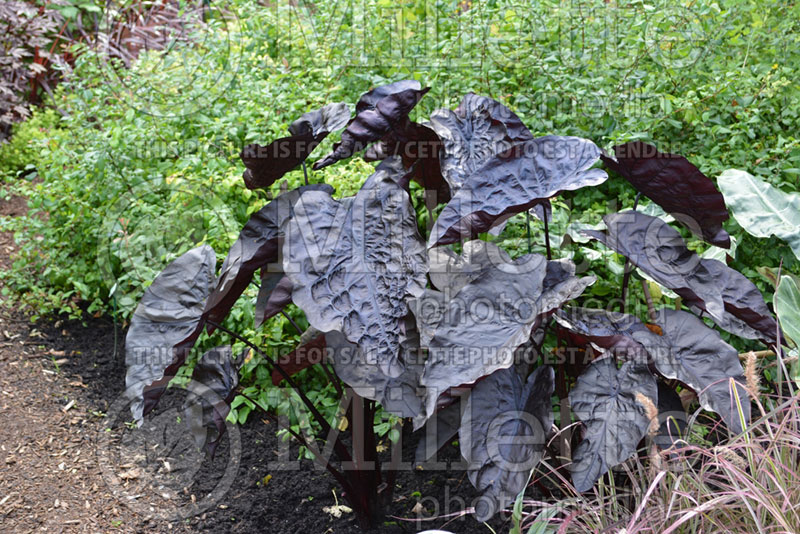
257, 246
697, 356
266, 164
478, 330
352, 265
478, 129
483, 324
503, 434
676, 185
372, 124
705, 284
604, 399
401, 395
214, 381
165, 326
449, 272
514, 181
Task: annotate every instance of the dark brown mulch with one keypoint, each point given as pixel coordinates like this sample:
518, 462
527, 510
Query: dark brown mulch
288, 501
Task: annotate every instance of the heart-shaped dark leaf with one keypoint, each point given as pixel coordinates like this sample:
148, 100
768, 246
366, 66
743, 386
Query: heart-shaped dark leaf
353, 263
705, 284
320, 122
503, 434
439, 429
676, 185
478, 330
483, 324
257, 246
372, 124
686, 350
214, 381
658, 250
561, 285
746, 314
371, 98
514, 181
605, 400
266, 164
449, 272
401, 395
274, 295
165, 326
478, 129
697, 356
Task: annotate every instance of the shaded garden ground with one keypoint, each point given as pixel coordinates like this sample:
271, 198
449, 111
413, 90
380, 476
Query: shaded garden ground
59, 380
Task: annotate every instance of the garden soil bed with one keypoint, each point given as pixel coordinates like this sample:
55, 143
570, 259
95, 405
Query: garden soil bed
68, 463
60, 381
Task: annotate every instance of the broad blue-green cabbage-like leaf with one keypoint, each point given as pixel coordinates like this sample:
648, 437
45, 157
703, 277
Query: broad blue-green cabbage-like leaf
165, 325
503, 434
604, 399
762, 210
787, 306
676, 185
514, 181
353, 264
